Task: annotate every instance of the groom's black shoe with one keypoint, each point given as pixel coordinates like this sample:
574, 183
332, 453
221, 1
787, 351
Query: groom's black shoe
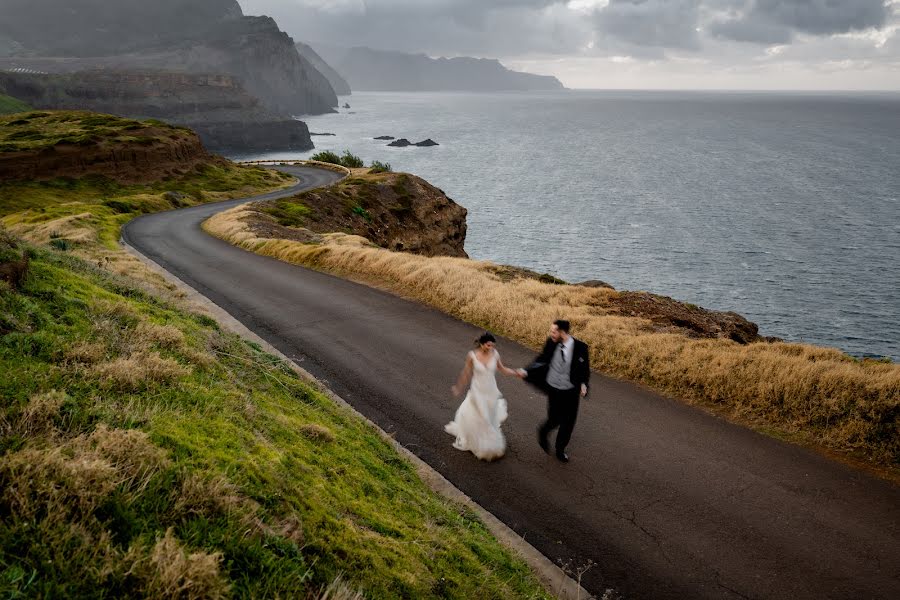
542, 441
561, 456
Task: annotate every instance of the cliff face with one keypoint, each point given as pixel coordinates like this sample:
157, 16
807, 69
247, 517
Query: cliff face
375, 70
217, 107
338, 83
43, 145
396, 211
196, 36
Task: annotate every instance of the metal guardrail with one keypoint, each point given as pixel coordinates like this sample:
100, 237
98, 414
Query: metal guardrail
298, 162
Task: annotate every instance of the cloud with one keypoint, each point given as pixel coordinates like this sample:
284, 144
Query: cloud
653, 23
703, 37
778, 21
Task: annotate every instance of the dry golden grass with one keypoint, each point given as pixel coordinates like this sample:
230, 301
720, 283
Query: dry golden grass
820, 394
165, 336
316, 433
168, 571
139, 369
80, 228
38, 415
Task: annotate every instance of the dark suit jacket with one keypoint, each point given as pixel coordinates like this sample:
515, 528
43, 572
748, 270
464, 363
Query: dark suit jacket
580, 369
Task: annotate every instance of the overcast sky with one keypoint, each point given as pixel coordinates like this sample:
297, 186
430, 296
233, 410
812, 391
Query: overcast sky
682, 44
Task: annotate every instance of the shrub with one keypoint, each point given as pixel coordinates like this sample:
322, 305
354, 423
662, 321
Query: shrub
347, 159
327, 157
61, 244
380, 167
351, 161
119, 206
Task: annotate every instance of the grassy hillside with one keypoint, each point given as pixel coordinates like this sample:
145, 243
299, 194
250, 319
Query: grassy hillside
44, 129
144, 452
9, 105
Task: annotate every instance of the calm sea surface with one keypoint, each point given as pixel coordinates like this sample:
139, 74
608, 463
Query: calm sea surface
781, 207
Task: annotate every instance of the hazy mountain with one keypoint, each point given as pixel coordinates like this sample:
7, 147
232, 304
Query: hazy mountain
195, 36
340, 86
378, 70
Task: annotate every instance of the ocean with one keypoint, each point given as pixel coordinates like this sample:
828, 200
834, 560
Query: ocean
783, 207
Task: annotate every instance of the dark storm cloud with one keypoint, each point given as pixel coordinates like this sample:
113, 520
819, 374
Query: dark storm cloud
653, 23
776, 21
445, 27
519, 27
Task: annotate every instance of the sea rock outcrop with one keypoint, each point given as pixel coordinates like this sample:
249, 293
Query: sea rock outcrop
396, 211
401, 143
696, 321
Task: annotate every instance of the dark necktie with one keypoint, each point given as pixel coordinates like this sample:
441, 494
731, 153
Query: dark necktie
562, 351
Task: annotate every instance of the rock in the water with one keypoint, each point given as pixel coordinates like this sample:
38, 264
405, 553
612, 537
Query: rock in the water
346, 105
311, 133
428, 142
401, 143
593, 283
385, 137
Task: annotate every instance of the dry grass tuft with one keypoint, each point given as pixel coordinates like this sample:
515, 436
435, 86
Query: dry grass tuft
86, 352
340, 590
165, 336
316, 433
819, 393
48, 482
39, 413
130, 452
139, 370
217, 495
80, 228
168, 571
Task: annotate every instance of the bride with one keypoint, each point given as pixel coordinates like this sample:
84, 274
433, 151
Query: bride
477, 422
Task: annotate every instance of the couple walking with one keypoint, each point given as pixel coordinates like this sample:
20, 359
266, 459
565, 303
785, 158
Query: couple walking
561, 370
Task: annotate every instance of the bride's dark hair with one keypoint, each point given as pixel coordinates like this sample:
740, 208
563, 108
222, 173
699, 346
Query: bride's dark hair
486, 337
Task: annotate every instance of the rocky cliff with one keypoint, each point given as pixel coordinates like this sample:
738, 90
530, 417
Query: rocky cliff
197, 36
217, 107
47, 145
396, 211
338, 83
376, 70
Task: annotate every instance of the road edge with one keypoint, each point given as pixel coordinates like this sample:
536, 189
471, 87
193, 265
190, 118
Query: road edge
551, 576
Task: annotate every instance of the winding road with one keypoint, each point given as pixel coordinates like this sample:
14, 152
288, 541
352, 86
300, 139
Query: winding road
664, 500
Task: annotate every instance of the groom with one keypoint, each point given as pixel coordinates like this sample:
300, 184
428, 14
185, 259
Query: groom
562, 370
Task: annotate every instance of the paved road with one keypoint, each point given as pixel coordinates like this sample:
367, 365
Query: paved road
669, 502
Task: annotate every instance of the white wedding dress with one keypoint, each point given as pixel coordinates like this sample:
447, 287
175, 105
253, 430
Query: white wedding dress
477, 422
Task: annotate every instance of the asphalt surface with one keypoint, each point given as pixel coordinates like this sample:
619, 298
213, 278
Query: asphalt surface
660, 500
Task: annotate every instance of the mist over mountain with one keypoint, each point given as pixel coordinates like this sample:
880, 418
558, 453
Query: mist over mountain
366, 69
194, 36
338, 83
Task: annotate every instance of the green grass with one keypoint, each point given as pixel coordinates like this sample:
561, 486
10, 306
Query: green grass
10, 105
111, 204
288, 212
38, 130
265, 487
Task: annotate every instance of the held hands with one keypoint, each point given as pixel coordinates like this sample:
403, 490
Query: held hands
521, 373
